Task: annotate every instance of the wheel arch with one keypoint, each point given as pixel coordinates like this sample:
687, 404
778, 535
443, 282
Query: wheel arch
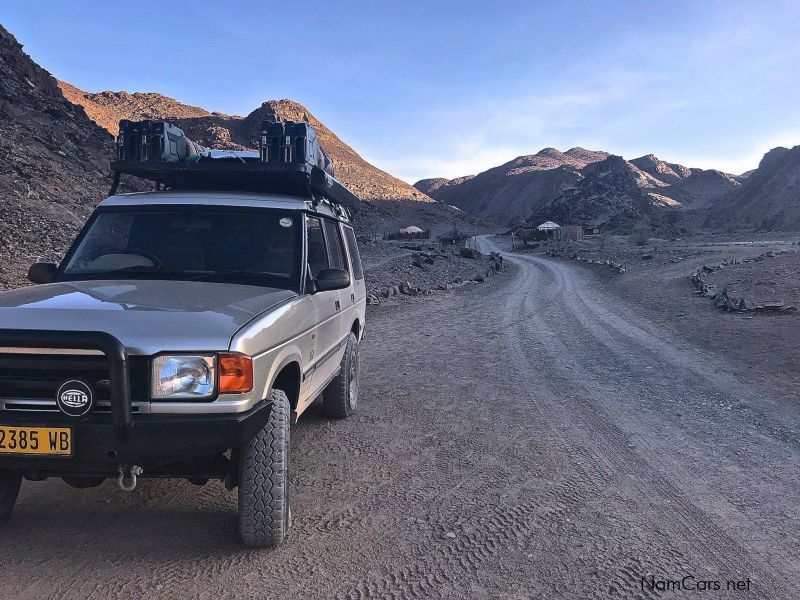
355, 328
288, 378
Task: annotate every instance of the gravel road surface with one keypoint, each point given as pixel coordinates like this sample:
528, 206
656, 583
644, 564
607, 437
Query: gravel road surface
531, 437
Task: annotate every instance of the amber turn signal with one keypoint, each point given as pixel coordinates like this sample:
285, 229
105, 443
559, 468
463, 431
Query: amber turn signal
235, 373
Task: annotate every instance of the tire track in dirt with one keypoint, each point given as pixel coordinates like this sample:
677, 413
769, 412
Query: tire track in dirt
611, 448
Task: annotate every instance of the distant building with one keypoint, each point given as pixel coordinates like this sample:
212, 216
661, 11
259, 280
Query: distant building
549, 226
412, 232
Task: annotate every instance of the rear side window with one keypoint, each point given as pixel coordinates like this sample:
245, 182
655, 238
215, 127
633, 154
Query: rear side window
352, 249
317, 259
333, 240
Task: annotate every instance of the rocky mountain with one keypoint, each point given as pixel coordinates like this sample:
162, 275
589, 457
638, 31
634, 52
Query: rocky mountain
56, 142
609, 193
540, 184
690, 188
513, 190
769, 198
53, 163
232, 132
428, 186
107, 109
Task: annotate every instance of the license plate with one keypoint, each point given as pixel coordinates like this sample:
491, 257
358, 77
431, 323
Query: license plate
47, 441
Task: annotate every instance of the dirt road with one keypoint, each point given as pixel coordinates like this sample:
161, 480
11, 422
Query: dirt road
528, 438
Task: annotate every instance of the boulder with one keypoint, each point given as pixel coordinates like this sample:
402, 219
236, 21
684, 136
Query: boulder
406, 289
372, 299
774, 306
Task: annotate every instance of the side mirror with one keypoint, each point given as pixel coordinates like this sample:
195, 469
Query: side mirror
332, 279
42, 272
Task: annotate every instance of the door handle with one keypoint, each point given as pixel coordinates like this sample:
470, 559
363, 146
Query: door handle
338, 305
352, 297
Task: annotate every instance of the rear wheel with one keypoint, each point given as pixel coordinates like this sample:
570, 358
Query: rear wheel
264, 479
9, 490
341, 396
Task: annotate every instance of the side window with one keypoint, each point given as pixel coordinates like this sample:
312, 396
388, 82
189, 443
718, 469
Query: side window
352, 249
334, 242
317, 258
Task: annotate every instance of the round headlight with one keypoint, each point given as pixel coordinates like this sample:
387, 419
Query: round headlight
183, 376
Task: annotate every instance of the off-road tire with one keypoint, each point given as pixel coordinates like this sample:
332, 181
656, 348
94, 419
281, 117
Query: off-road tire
340, 398
264, 479
9, 490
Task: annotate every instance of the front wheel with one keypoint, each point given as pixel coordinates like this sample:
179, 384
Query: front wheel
9, 490
264, 479
340, 398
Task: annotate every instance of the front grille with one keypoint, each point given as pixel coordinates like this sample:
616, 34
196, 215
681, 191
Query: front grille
30, 381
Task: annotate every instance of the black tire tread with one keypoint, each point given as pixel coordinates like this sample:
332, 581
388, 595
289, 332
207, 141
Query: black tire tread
263, 479
336, 396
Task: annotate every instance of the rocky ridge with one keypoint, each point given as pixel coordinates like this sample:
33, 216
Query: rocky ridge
233, 132
609, 193
769, 198
529, 186
509, 192
56, 142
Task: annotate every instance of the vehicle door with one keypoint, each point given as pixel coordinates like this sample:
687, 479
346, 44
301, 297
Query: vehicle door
327, 308
337, 255
356, 296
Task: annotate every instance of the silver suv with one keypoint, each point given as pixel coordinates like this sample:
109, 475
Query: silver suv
181, 336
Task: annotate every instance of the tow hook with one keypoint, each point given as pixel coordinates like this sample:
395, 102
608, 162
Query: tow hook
135, 471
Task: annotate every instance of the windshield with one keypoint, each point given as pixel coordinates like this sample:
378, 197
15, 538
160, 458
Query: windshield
257, 247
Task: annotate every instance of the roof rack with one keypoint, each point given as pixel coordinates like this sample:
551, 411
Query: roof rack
289, 161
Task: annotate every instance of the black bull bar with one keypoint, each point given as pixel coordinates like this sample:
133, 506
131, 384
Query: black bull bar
86, 340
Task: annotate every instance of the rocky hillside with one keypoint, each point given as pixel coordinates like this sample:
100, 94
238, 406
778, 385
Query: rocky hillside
768, 198
690, 188
107, 109
236, 133
56, 141
610, 193
513, 190
537, 184
53, 163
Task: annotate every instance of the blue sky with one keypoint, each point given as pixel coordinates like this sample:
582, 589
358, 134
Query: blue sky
426, 89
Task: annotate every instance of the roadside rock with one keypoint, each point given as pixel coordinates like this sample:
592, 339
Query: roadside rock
406, 289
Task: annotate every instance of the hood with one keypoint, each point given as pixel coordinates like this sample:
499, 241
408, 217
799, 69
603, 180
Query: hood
146, 316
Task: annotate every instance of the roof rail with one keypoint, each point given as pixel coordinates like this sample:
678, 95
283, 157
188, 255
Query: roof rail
289, 161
